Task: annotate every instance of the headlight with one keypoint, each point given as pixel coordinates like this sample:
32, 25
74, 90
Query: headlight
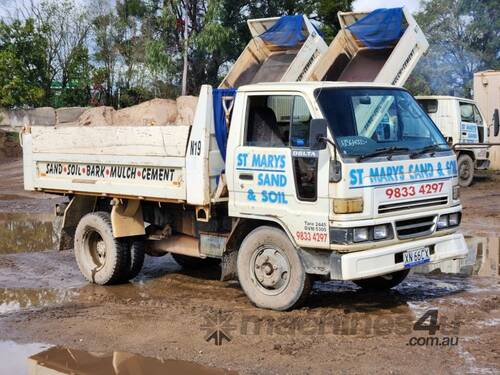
456, 192
380, 232
454, 219
442, 222
361, 234
449, 220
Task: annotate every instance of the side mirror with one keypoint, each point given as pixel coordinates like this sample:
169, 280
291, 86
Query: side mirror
496, 123
317, 131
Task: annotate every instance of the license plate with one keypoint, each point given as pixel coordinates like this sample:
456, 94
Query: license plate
415, 257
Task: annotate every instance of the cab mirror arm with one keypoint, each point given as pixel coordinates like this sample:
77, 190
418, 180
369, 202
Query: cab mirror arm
318, 140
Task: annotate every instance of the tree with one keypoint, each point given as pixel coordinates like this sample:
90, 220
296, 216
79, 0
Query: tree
464, 37
22, 65
327, 14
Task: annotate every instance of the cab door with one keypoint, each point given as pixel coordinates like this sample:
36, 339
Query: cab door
276, 176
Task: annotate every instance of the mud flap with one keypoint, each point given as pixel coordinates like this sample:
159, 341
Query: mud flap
71, 214
228, 266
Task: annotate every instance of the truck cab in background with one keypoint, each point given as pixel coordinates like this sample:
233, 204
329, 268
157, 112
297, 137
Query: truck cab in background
461, 122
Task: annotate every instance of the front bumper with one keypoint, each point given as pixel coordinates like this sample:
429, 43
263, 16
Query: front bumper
381, 261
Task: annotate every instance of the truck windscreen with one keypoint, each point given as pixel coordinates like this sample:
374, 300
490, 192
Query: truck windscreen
370, 120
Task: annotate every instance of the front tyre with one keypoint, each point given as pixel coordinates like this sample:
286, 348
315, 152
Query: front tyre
465, 170
270, 270
383, 282
102, 258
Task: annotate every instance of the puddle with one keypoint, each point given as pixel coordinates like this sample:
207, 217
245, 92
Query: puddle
15, 299
27, 232
13, 356
483, 259
58, 360
44, 359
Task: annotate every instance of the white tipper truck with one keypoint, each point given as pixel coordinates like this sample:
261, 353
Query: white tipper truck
464, 126
338, 180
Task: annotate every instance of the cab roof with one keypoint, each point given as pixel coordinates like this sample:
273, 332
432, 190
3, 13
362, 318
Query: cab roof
308, 86
444, 97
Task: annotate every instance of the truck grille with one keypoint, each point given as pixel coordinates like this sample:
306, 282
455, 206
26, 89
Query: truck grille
418, 227
409, 205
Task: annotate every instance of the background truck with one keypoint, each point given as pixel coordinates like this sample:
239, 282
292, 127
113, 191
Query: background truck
461, 122
345, 181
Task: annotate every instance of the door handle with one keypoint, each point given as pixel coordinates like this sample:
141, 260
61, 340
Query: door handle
246, 176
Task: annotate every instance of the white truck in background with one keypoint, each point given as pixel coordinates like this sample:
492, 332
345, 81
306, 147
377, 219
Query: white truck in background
464, 126
339, 180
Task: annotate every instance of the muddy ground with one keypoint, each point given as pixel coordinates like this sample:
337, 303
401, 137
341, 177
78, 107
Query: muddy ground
167, 312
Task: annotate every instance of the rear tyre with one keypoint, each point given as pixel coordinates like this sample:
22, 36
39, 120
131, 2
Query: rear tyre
102, 258
270, 270
383, 282
465, 170
137, 254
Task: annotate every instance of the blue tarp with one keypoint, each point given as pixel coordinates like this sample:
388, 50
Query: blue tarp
220, 118
380, 28
286, 32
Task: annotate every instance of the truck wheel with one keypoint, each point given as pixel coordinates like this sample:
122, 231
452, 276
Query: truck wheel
102, 258
270, 270
186, 261
465, 170
383, 282
137, 253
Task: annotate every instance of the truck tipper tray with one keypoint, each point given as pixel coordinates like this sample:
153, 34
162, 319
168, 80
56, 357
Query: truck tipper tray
382, 46
282, 49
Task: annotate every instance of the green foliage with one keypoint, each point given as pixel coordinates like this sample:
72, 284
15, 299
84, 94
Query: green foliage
327, 14
74, 52
22, 65
464, 37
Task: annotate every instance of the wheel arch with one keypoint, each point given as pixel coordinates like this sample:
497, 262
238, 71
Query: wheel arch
468, 153
245, 225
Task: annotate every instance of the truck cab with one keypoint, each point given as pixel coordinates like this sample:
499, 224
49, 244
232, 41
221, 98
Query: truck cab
461, 122
357, 176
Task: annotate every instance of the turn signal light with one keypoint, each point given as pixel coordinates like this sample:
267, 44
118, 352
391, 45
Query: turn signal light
347, 206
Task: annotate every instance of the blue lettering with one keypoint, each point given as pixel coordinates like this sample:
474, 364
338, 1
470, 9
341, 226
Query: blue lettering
242, 160
356, 176
271, 179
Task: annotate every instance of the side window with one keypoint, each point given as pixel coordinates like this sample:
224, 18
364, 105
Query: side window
466, 112
428, 105
268, 120
277, 121
477, 116
299, 126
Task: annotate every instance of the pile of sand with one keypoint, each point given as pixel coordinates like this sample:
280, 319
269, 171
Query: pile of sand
153, 112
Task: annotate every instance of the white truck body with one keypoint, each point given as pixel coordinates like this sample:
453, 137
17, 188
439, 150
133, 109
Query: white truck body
487, 98
175, 163
461, 122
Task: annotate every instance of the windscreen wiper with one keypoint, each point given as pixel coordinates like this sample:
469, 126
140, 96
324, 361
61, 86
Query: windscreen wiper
383, 151
426, 149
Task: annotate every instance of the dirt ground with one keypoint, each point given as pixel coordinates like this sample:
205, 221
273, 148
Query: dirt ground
168, 312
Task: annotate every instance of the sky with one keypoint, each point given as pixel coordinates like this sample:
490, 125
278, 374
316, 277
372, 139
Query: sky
361, 5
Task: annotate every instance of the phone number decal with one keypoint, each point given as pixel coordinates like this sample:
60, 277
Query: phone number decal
311, 236
414, 190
